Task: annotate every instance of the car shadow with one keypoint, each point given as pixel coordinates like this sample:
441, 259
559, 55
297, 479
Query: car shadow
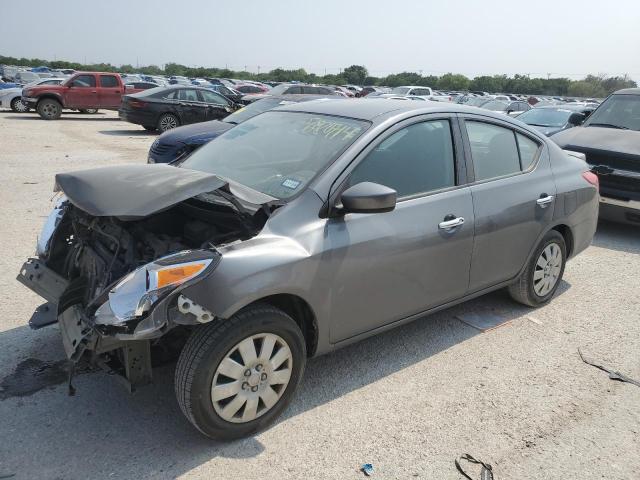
117, 429
129, 133
617, 236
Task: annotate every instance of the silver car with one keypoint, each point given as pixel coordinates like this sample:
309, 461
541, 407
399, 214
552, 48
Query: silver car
297, 232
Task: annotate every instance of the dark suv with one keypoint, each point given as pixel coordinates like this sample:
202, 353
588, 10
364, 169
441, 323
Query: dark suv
610, 139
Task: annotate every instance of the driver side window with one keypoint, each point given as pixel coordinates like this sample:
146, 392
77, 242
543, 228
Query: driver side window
417, 159
84, 81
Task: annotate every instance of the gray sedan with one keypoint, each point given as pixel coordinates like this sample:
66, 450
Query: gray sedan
297, 232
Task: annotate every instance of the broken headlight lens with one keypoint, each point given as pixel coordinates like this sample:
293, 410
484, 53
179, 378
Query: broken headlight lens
140, 290
49, 227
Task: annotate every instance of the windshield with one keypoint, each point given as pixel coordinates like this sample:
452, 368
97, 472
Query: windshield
495, 105
400, 90
277, 153
618, 111
253, 109
546, 117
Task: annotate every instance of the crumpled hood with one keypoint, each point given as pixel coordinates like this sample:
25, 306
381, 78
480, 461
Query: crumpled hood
196, 132
599, 139
133, 191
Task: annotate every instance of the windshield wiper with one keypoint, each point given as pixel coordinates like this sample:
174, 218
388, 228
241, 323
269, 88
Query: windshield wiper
608, 125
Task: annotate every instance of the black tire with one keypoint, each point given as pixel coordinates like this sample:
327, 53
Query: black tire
167, 121
49, 109
523, 290
149, 128
18, 106
206, 348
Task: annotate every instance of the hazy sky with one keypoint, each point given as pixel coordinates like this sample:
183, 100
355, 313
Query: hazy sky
561, 37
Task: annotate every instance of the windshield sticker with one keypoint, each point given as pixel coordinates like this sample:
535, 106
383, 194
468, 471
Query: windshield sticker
291, 183
330, 129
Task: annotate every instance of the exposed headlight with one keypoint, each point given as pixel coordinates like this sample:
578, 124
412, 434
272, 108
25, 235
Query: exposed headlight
49, 227
140, 290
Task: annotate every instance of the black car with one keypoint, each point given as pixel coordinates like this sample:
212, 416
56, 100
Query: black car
232, 95
610, 139
164, 108
556, 118
183, 140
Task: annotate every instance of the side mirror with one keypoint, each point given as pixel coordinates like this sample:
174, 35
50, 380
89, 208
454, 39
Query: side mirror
576, 118
368, 197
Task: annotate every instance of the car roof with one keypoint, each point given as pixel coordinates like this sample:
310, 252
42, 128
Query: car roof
628, 91
372, 108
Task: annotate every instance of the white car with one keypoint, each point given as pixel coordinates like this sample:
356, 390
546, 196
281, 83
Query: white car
12, 97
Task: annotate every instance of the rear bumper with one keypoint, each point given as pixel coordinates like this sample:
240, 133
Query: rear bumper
139, 118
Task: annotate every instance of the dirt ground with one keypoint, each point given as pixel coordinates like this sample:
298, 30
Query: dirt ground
408, 401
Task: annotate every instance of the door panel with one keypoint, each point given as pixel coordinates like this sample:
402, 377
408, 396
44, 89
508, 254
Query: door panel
191, 108
83, 92
393, 265
109, 91
508, 219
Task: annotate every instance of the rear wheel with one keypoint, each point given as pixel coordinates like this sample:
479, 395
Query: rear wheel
539, 281
167, 121
49, 109
17, 105
236, 376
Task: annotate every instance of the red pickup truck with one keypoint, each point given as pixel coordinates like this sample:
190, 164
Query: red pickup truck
82, 91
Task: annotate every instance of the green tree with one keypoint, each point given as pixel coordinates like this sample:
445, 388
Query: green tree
355, 74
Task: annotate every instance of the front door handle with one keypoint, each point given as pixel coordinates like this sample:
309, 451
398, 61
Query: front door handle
543, 201
452, 223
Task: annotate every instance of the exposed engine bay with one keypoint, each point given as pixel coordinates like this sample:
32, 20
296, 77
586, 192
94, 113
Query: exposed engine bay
94, 252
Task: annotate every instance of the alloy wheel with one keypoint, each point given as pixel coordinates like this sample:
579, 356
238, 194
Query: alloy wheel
168, 122
20, 106
50, 110
251, 378
547, 270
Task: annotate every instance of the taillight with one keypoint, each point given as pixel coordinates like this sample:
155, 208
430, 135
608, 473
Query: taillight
592, 178
137, 104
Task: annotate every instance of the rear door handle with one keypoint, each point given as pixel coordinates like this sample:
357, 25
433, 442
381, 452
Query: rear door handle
449, 224
544, 201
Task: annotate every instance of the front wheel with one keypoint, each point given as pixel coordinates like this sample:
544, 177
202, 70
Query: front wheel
541, 278
17, 105
167, 121
236, 376
49, 109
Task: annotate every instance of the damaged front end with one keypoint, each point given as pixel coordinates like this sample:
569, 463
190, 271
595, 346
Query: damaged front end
112, 274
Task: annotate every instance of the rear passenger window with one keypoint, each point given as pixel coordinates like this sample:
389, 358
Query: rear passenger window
493, 149
528, 150
414, 160
108, 81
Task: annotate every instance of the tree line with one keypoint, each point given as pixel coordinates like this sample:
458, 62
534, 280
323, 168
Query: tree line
599, 85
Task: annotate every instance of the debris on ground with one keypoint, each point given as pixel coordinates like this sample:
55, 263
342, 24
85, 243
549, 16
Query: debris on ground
367, 469
483, 321
613, 375
486, 471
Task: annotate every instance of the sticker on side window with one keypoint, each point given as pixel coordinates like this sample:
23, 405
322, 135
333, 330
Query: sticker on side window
291, 183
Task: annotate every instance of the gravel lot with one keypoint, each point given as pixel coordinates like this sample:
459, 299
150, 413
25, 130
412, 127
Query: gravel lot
408, 401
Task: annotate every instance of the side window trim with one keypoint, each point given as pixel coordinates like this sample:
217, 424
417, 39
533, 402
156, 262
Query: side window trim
468, 160
460, 167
